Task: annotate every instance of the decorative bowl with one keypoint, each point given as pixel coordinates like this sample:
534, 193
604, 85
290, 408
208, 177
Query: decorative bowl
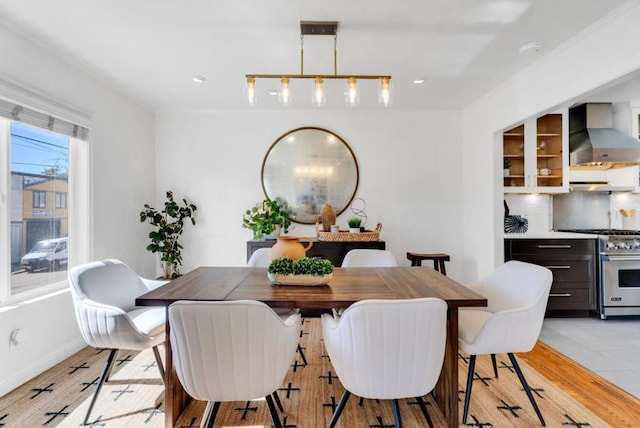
306, 280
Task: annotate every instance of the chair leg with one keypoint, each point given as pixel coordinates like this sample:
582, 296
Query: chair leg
210, 413
495, 364
396, 413
103, 378
467, 395
301, 352
526, 387
425, 412
274, 412
156, 354
276, 398
339, 409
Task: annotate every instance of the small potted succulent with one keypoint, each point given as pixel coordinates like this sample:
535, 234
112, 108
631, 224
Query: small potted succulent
268, 218
354, 224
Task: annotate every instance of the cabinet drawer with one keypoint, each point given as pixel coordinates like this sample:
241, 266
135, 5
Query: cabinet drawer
567, 270
553, 246
570, 299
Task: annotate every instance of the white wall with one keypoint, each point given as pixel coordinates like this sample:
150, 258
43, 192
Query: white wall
597, 56
410, 175
122, 140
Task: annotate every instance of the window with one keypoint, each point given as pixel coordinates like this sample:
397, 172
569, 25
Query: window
39, 197
48, 207
61, 200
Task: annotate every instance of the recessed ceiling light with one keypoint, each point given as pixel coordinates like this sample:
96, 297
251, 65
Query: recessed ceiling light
418, 81
530, 48
199, 79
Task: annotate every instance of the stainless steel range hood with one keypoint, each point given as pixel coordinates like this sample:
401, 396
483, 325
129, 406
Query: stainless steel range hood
594, 143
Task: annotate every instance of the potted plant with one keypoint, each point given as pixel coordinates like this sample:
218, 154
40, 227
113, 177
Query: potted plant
354, 224
506, 163
169, 224
266, 219
303, 271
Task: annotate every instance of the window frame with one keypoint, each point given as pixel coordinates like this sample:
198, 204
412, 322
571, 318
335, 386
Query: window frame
60, 200
77, 199
41, 197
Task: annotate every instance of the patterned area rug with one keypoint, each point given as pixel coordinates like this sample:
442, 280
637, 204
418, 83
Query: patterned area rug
134, 397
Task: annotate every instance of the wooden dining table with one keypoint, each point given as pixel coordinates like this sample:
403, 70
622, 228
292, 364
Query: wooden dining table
347, 286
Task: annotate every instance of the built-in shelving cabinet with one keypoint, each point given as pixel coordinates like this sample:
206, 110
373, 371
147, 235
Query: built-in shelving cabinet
535, 155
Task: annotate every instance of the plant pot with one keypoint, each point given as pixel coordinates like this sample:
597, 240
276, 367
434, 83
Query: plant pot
291, 247
354, 230
506, 172
276, 232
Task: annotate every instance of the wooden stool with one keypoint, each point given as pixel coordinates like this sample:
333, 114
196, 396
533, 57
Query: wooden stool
438, 260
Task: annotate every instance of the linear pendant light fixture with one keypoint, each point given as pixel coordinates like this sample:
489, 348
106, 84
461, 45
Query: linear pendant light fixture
318, 96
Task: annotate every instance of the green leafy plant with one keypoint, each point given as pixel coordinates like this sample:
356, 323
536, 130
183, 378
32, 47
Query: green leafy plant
263, 217
506, 163
169, 225
354, 222
316, 266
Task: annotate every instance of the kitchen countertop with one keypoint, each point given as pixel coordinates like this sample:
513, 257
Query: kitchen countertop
549, 235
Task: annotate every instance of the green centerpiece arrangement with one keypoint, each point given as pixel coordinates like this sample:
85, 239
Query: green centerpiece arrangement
303, 271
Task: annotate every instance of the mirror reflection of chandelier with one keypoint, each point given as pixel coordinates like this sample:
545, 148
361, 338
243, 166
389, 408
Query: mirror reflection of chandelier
318, 97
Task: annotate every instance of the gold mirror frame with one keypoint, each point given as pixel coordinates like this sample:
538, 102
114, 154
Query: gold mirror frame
309, 167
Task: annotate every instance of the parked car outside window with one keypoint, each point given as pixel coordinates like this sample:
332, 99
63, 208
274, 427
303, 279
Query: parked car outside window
49, 254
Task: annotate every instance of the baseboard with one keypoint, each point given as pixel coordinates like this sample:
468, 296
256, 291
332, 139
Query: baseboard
50, 360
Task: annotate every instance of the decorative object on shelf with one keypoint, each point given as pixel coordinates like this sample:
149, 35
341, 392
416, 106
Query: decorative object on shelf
514, 223
328, 215
345, 236
264, 218
310, 167
303, 271
354, 224
506, 164
357, 208
169, 224
291, 247
318, 96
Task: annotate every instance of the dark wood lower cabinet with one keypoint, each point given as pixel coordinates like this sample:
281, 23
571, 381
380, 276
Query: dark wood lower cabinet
574, 263
334, 251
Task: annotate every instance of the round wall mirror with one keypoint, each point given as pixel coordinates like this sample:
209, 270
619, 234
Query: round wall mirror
310, 167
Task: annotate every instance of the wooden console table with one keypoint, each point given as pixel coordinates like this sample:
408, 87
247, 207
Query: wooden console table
334, 251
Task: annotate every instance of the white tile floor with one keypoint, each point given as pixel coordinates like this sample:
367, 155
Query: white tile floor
610, 348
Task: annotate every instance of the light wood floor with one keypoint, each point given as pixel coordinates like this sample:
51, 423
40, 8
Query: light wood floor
607, 401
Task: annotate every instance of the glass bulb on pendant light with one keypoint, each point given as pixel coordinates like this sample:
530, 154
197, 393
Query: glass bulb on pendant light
384, 93
351, 94
285, 93
251, 91
317, 96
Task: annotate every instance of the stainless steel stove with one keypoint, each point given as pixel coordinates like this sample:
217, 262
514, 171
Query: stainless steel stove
619, 252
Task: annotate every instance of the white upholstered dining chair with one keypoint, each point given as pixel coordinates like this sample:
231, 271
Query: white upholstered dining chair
517, 295
388, 350
104, 294
231, 351
369, 258
262, 258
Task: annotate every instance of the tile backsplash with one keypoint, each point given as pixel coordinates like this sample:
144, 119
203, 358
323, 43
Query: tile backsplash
630, 203
536, 208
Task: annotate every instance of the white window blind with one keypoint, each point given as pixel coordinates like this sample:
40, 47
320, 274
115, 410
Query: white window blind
19, 113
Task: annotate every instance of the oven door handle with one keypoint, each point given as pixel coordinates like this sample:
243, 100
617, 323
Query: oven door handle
608, 258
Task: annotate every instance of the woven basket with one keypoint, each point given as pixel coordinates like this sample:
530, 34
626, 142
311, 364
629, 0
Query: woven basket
344, 236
